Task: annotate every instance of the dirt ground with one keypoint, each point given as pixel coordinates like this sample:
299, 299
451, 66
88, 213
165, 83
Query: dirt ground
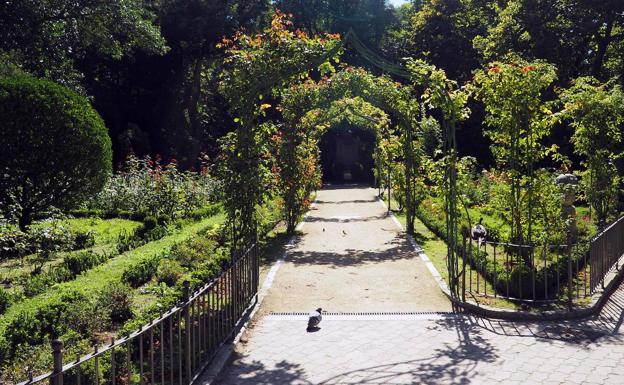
352, 257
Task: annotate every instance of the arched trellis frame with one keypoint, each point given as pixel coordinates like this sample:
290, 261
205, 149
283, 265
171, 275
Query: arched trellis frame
365, 97
255, 67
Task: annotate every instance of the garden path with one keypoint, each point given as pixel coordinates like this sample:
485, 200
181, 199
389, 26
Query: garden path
442, 348
352, 257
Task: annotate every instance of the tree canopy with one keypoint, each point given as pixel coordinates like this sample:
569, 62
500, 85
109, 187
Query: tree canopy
55, 148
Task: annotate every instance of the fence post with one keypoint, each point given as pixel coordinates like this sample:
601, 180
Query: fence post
187, 336
57, 356
570, 275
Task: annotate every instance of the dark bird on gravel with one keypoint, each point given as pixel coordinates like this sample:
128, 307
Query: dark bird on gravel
479, 232
314, 319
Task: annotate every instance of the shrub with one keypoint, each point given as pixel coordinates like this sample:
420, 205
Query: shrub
48, 241
169, 271
5, 300
55, 148
84, 240
14, 244
37, 284
116, 302
193, 251
33, 326
150, 231
152, 188
142, 272
81, 262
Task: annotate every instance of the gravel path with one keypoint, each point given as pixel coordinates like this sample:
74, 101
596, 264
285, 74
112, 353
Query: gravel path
352, 257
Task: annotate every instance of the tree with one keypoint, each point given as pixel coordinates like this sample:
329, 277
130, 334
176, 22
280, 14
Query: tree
574, 35
596, 112
48, 37
55, 148
368, 18
442, 31
518, 121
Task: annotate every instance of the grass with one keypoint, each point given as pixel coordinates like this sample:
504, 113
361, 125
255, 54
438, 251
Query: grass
106, 233
91, 282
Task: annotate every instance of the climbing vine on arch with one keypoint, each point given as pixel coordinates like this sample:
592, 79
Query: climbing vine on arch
253, 74
358, 95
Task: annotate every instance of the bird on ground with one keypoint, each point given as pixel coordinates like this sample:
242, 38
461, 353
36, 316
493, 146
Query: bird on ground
344, 233
314, 319
479, 232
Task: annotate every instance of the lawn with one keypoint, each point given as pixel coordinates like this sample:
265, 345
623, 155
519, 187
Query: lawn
95, 279
106, 233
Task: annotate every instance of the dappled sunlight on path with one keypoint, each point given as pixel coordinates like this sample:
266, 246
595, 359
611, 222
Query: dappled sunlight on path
352, 257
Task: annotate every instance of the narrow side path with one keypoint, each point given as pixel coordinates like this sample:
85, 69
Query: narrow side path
352, 257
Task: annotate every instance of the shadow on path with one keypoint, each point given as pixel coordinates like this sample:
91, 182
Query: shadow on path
604, 327
454, 363
398, 250
283, 372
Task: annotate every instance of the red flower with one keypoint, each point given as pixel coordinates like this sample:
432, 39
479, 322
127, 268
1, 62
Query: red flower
528, 69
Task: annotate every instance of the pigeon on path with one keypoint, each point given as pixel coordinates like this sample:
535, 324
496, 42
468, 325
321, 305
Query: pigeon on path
314, 319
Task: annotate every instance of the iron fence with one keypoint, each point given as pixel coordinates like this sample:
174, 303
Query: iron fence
175, 347
605, 252
540, 273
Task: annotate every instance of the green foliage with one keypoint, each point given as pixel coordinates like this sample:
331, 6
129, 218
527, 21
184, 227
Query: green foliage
254, 67
596, 112
54, 313
48, 37
169, 271
141, 273
48, 241
5, 300
357, 97
151, 188
35, 325
56, 149
80, 262
116, 301
518, 121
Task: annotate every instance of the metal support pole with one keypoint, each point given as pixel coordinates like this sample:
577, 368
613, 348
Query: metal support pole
569, 276
57, 355
187, 334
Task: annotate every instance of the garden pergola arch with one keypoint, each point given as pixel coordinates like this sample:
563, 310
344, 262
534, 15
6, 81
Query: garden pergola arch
360, 91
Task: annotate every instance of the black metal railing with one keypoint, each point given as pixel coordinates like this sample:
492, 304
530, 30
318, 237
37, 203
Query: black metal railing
175, 347
605, 252
546, 273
